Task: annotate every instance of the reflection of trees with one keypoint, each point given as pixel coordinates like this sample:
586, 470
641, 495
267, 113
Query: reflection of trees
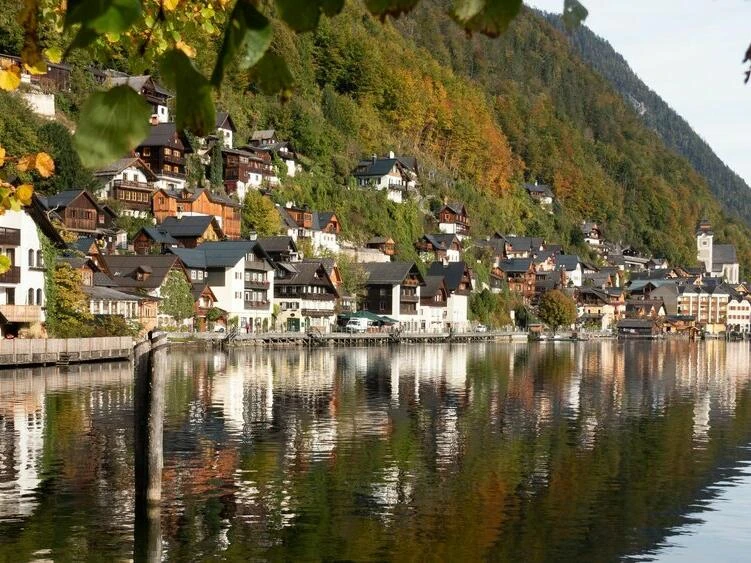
461, 453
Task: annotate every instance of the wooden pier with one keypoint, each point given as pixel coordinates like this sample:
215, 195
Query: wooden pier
63, 351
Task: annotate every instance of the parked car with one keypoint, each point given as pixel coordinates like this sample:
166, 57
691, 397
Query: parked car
481, 328
219, 328
357, 325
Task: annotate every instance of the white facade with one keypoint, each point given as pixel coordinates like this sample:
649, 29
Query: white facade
130, 174
162, 114
456, 314
22, 292
574, 276
433, 319
166, 182
227, 136
739, 314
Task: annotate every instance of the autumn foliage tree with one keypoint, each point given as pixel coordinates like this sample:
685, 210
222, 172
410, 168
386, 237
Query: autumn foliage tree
259, 215
68, 314
556, 309
177, 299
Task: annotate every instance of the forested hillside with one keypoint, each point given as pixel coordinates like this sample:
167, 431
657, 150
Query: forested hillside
482, 116
731, 190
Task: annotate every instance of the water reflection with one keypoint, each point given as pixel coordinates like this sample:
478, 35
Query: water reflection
537, 451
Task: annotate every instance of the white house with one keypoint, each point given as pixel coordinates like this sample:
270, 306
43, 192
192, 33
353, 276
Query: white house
434, 298
321, 228
130, 182
458, 280
739, 314
572, 267
306, 296
22, 294
395, 174
225, 129
239, 274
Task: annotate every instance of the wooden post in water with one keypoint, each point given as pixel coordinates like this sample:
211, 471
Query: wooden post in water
150, 365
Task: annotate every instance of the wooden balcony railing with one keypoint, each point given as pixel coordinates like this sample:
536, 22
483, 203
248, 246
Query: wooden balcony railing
21, 313
255, 284
257, 305
11, 276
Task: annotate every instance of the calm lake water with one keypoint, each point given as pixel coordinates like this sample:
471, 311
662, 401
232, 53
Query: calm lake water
543, 452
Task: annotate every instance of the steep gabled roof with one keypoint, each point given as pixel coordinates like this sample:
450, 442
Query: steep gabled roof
158, 236
62, 200
515, 265
539, 189
567, 261
224, 120
321, 219
442, 241
389, 273
377, 167
455, 207
307, 273
263, 134
123, 163
723, 254
433, 285
160, 135
124, 269
453, 273
190, 226
277, 244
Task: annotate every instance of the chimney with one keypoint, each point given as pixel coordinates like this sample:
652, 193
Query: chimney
289, 204
391, 154
154, 119
375, 157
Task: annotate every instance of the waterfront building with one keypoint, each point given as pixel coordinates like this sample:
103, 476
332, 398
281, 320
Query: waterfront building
393, 289
306, 296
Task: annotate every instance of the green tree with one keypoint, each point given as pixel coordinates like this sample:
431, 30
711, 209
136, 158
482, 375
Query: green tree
353, 275
216, 171
259, 215
557, 309
177, 299
68, 313
69, 172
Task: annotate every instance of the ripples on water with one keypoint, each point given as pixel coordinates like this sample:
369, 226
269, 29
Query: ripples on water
596, 451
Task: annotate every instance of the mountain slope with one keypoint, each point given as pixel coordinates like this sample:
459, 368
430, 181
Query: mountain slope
729, 188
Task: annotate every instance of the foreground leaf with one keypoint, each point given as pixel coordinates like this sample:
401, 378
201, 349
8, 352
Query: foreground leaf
248, 35
111, 124
44, 164
271, 75
490, 17
4, 263
103, 16
10, 78
2, 156
304, 16
194, 105
24, 193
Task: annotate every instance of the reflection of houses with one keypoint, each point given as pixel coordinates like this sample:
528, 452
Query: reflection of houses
393, 290
306, 296
130, 182
22, 286
171, 203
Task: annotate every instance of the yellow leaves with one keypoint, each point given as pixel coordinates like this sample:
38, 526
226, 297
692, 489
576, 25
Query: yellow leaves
24, 192
10, 78
40, 67
185, 48
54, 54
41, 162
170, 5
2, 156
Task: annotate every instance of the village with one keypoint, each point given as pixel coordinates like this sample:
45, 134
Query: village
295, 281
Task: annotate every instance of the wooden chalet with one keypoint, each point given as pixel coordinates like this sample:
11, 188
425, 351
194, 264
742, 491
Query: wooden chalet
79, 213
174, 203
164, 152
520, 276
247, 167
130, 182
453, 218
383, 244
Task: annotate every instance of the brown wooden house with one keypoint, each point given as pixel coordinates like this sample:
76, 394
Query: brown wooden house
249, 167
173, 203
519, 274
164, 151
79, 212
452, 218
384, 244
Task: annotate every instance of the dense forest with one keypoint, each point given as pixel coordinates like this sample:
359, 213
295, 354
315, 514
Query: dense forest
729, 188
481, 115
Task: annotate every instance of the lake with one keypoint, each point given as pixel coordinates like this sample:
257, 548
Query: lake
599, 451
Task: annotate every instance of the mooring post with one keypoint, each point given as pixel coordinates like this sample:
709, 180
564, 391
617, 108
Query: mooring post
150, 365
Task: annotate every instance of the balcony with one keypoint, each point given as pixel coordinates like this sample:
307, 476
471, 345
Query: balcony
257, 305
410, 282
21, 313
408, 310
174, 159
80, 224
133, 185
408, 298
10, 237
11, 276
255, 284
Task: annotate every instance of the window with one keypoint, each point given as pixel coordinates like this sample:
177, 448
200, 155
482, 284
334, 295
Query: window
146, 151
382, 292
167, 151
30, 298
39, 296
31, 258
40, 260
193, 275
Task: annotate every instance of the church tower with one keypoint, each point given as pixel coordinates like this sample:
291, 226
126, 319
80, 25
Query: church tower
704, 242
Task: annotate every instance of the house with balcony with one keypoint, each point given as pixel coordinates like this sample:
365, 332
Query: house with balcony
225, 129
204, 301
280, 248
458, 279
393, 174
164, 152
246, 169
191, 230
441, 247
79, 213
306, 296
130, 182
266, 141
186, 203
540, 193
520, 276
598, 308
321, 228
385, 245
393, 289
240, 274
453, 219
22, 295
